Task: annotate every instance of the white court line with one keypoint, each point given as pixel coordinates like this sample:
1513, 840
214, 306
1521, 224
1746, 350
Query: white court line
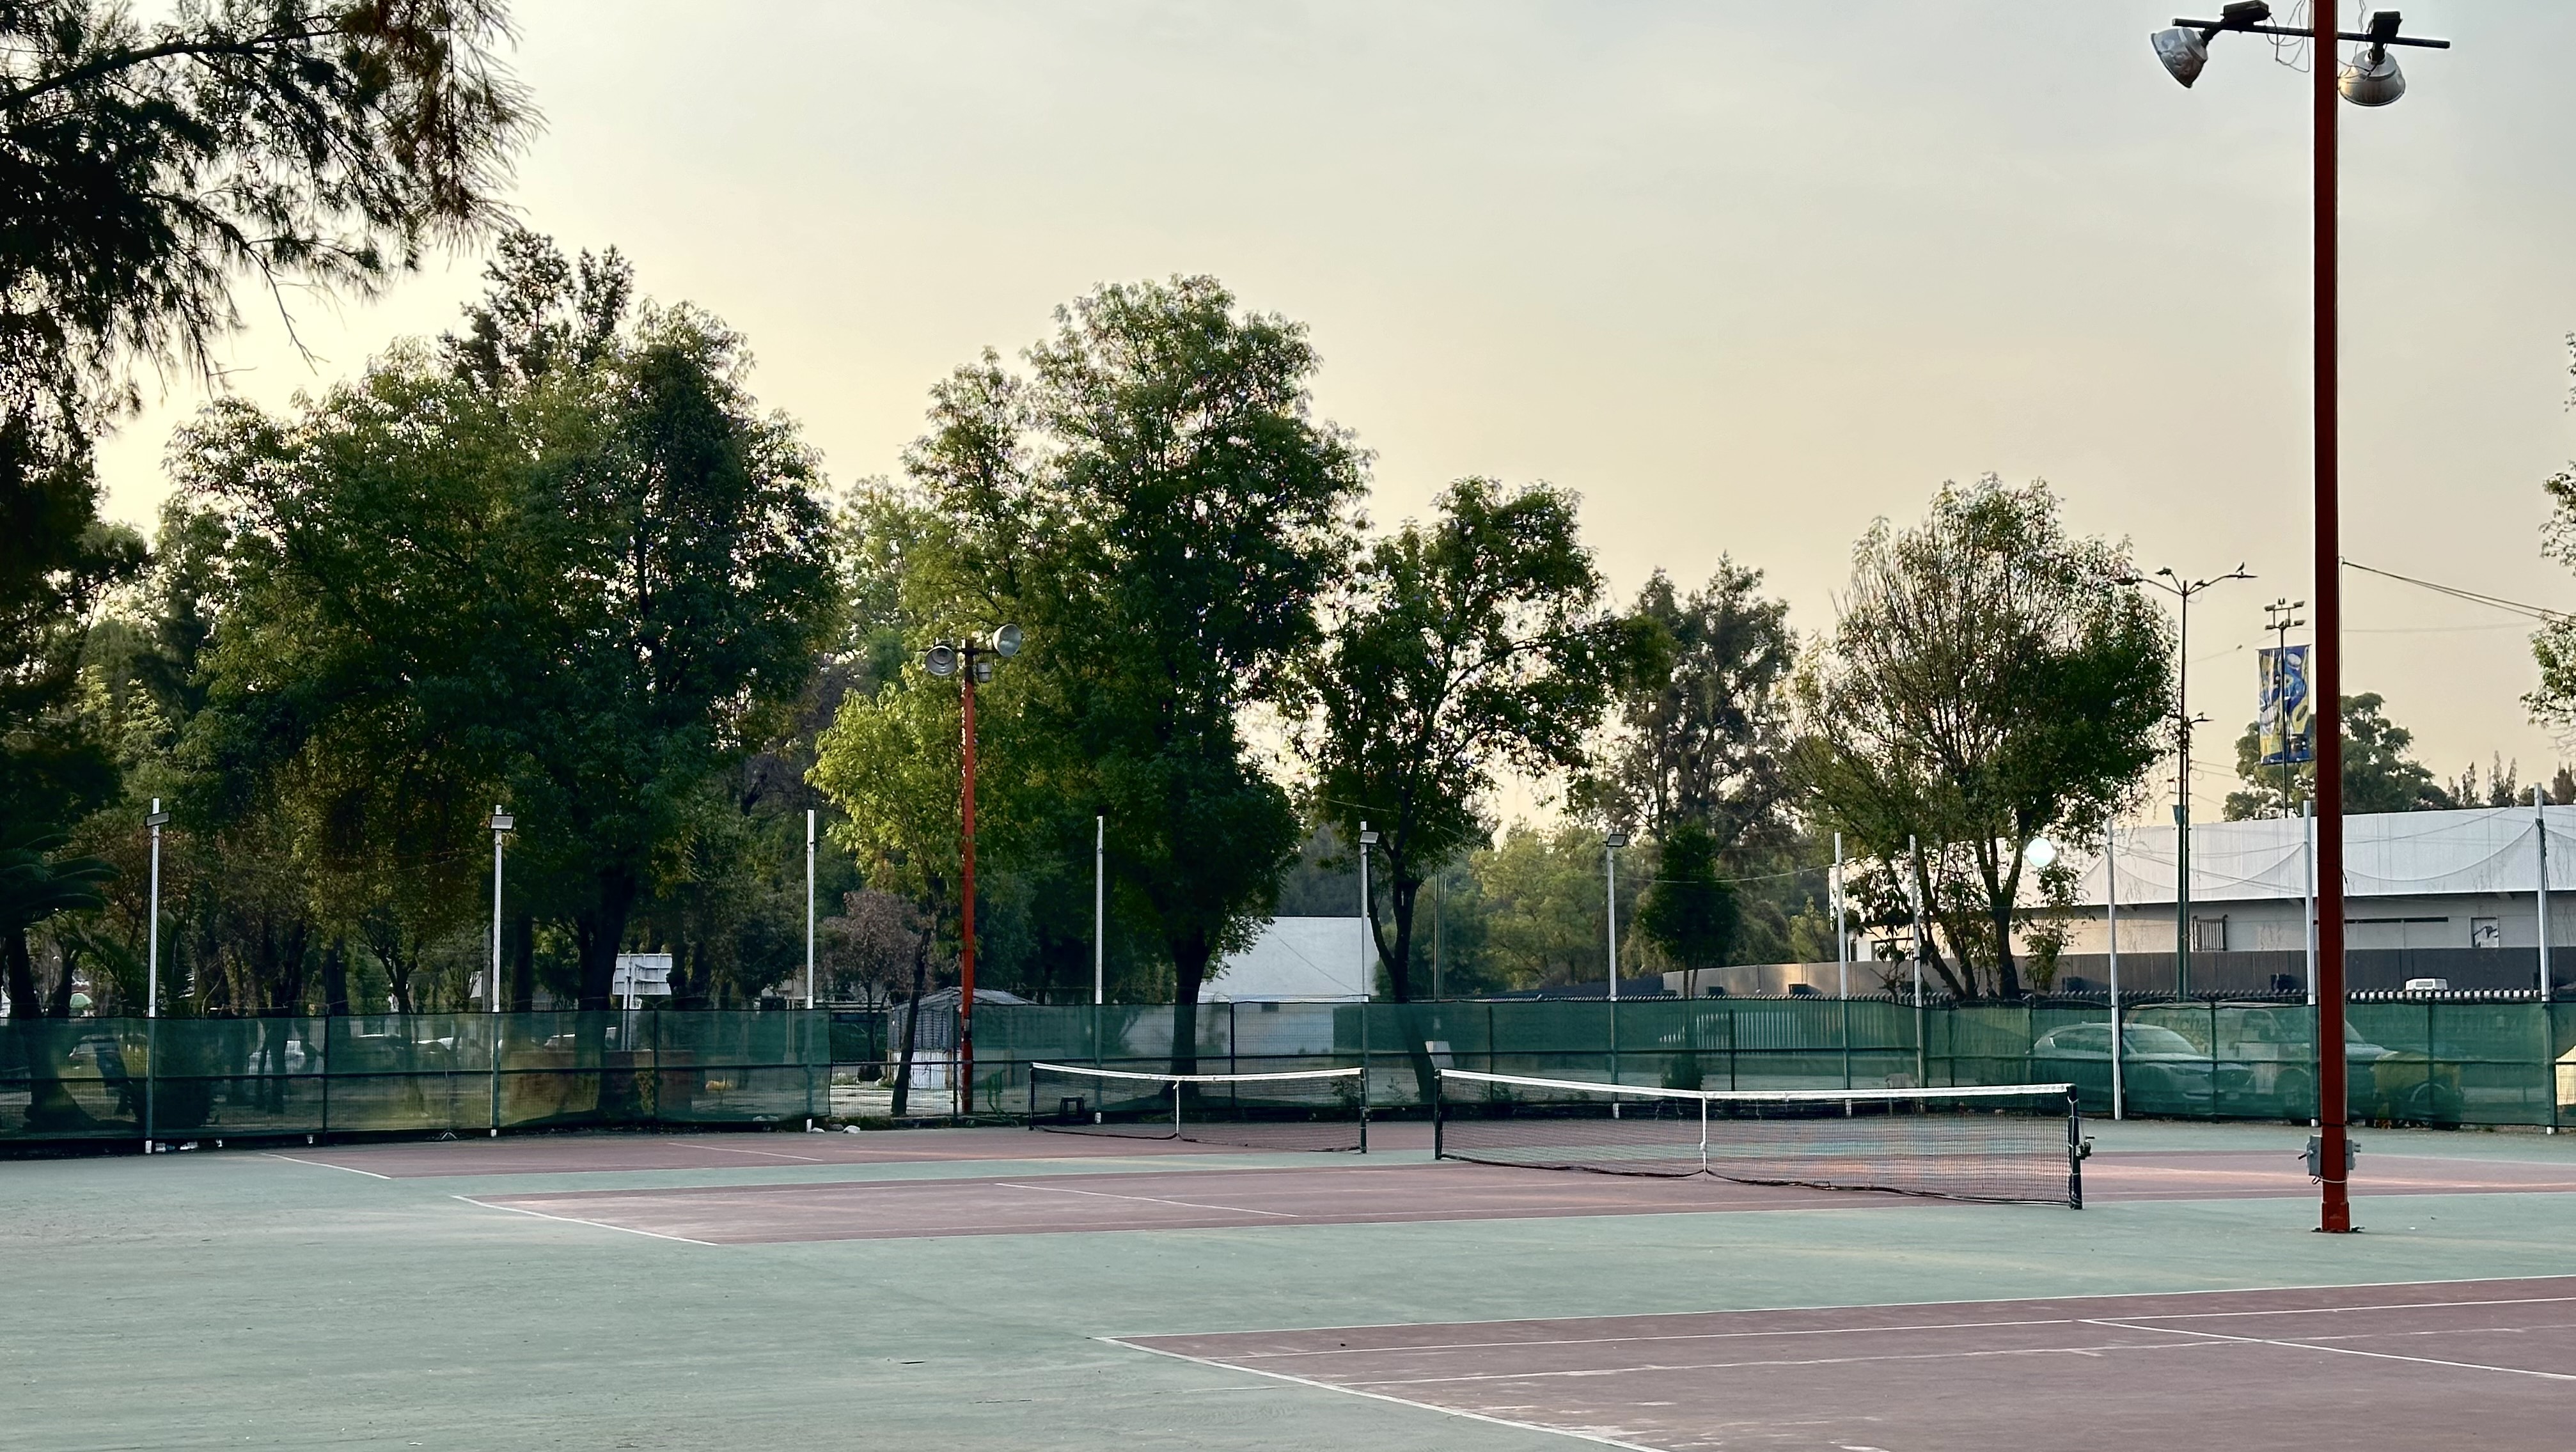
773, 1154
576, 1220
1576, 1373
322, 1165
1150, 1200
1856, 1306
1785, 1331
2217, 1337
1593, 1437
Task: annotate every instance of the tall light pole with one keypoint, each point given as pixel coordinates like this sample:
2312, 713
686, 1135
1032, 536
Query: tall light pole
2182, 590
1610, 846
809, 909
1368, 925
2372, 80
501, 824
970, 663
157, 820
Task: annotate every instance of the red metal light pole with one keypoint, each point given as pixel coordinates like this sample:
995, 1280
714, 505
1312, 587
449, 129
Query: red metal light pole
2373, 80
966, 938
2326, 680
970, 662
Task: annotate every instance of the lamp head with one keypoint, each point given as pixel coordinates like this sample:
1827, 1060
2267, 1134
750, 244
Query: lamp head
1006, 641
941, 660
1617, 838
2183, 52
2372, 78
2039, 853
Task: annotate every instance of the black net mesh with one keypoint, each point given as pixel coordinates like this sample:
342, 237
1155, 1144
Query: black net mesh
2012, 1143
1314, 1110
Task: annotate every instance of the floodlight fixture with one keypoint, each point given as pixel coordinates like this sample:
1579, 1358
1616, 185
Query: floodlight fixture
2039, 854
502, 821
2372, 77
1006, 641
1367, 837
941, 659
1617, 838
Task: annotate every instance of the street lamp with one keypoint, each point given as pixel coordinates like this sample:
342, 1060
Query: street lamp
2182, 590
1368, 925
156, 820
970, 662
2373, 81
502, 822
1610, 875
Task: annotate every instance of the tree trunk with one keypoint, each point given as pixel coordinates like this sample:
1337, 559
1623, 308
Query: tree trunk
523, 964
1190, 954
1930, 948
1404, 894
912, 1021
335, 979
49, 1104
599, 930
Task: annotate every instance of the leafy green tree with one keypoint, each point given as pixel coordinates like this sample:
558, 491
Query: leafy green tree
2379, 773
1153, 502
1689, 912
306, 143
1990, 678
1705, 737
1541, 891
1474, 644
565, 560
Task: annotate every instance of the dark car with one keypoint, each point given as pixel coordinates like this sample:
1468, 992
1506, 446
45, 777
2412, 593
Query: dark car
2161, 1072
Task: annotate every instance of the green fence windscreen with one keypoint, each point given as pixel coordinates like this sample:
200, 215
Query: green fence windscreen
72, 1079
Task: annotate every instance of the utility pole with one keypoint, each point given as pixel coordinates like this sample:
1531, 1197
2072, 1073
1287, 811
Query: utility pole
2182, 590
2281, 617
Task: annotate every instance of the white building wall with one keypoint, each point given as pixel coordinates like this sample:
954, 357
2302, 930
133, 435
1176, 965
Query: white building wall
1295, 960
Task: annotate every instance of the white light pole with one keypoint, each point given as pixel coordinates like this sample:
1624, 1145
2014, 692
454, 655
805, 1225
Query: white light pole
1099, 910
502, 822
1610, 874
1368, 979
152, 975
2540, 838
809, 909
1842, 939
2111, 909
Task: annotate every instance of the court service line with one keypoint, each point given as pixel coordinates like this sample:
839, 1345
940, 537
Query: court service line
1593, 1437
773, 1154
1652, 1366
1885, 1305
2347, 1351
322, 1165
593, 1224
1151, 1200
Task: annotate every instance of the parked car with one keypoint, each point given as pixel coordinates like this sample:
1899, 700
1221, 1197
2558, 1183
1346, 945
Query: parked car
2161, 1072
2278, 1047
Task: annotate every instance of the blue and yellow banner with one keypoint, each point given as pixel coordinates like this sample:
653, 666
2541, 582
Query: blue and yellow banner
2288, 727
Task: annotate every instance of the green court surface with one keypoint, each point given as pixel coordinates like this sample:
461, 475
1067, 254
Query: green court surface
248, 1298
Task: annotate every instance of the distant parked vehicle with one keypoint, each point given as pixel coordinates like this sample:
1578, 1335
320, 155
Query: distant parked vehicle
2161, 1072
2278, 1047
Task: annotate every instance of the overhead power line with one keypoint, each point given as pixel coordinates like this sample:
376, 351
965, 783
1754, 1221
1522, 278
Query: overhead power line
2536, 612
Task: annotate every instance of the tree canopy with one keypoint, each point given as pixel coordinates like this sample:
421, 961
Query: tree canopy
1990, 678
1474, 644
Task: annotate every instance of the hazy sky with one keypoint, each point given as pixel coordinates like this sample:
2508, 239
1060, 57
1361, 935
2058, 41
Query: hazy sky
1747, 275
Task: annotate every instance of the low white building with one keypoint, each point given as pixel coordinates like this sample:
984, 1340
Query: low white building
1295, 960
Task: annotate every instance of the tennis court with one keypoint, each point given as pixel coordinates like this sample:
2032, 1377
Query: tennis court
998, 1288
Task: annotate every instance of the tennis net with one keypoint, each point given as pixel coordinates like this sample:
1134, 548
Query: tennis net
2019, 1142
1316, 1109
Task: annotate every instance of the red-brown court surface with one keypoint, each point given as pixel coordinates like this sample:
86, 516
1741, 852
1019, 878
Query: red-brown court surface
2485, 1364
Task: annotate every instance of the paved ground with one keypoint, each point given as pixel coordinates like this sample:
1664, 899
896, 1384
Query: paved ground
381, 1296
